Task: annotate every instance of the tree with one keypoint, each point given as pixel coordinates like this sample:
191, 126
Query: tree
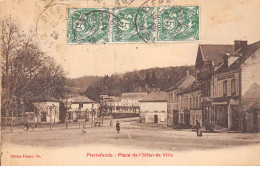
154, 79
27, 72
9, 46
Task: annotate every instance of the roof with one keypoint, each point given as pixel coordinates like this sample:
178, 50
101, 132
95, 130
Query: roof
183, 83
215, 53
253, 92
159, 96
81, 99
251, 49
133, 95
193, 87
44, 99
251, 99
247, 53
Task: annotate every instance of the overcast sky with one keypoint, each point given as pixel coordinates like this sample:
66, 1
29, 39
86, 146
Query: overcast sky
221, 22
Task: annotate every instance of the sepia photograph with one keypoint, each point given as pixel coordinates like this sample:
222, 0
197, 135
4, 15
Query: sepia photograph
130, 82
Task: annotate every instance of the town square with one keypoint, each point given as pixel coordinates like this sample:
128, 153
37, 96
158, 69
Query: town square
130, 82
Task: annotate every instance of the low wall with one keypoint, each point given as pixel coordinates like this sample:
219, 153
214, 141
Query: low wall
125, 115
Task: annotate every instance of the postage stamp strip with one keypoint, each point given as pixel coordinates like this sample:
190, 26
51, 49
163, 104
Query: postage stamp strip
133, 24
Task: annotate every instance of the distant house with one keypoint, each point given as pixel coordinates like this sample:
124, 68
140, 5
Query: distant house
153, 107
81, 108
113, 104
173, 99
47, 109
130, 102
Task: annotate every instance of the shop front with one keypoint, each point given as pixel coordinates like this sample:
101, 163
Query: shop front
227, 114
207, 115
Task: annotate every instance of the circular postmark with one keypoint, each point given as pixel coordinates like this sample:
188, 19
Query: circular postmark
145, 21
51, 23
89, 25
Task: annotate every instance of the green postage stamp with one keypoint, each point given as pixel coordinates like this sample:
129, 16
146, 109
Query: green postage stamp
180, 23
133, 24
88, 25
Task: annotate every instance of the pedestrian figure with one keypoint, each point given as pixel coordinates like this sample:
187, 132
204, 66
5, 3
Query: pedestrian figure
199, 132
117, 126
26, 126
84, 129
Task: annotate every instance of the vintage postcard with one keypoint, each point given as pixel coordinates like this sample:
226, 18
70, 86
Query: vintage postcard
130, 82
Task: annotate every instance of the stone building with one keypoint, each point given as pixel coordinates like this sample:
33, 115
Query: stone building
173, 99
153, 107
47, 109
190, 106
225, 73
232, 87
81, 108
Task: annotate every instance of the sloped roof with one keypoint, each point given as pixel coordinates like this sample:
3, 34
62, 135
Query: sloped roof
251, 99
247, 53
183, 83
251, 49
81, 99
159, 96
133, 95
193, 87
253, 92
215, 53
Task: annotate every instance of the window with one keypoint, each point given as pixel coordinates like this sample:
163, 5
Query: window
80, 105
197, 102
224, 88
190, 103
43, 116
193, 105
233, 87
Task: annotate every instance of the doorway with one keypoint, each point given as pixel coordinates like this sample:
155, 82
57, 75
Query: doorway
155, 118
235, 123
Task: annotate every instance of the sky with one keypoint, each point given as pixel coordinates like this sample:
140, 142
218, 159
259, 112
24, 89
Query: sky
221, 22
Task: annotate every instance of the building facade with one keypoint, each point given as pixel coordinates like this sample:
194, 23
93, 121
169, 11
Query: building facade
153, 107
190, 106
225, 73
47, 109
81, 108
173, 99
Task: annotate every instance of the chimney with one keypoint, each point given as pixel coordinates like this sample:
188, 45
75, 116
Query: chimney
187, 73
230, 58
240, 45
225, 58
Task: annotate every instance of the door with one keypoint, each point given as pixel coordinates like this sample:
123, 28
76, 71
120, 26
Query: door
155, 118
175, 118
187, 118
43, 116
235, 118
